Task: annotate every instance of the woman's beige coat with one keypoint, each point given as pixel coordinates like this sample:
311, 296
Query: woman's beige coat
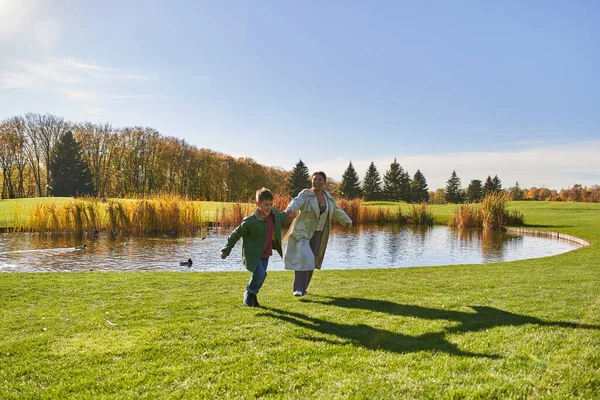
298, 254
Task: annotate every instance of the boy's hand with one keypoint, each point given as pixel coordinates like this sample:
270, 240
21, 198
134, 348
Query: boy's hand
223, 256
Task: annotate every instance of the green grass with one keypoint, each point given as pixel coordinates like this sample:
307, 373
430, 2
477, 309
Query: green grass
524, 329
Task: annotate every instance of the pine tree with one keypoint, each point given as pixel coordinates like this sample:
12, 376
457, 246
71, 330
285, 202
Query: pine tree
69, 173
405, 182
475, 191
372, 184
391, 182
488, 186
299, 179
453, 193
418, 188
497, 184
350, 185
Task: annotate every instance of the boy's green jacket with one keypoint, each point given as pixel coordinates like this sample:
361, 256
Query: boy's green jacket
253, 231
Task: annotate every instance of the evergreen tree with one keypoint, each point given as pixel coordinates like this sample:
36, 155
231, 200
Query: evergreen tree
69, 173
497, 184
372, 184
350, 185
453, 192
391, 182
488, 186
418, 188
299, 179
405, 182
475, 191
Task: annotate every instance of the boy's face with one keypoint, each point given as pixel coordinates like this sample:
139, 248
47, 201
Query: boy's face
264, 207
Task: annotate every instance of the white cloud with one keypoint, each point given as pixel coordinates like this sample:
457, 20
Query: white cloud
553, 166
14, 15
47, 33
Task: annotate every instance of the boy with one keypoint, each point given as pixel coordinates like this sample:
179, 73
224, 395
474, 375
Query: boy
260, 233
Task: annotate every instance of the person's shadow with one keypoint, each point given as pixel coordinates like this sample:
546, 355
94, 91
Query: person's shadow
483, 318
369, 337
379, 339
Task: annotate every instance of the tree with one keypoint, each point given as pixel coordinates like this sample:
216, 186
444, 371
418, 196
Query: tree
497, 184
516, 193
69, 174
372, 184
299, 179
474, 191
453, 192
350, 185
488, 186
418, 188
391, 182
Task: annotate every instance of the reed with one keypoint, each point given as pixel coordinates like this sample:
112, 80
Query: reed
116, 215
17, 217
352, 208
419, 214
490, 215
467, 216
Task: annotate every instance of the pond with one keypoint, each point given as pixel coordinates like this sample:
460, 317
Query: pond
357, 248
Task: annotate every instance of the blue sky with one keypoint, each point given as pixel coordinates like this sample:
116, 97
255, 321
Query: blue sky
507, 87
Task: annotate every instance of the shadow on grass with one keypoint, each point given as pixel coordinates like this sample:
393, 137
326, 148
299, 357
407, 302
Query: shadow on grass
483, 318
369, 337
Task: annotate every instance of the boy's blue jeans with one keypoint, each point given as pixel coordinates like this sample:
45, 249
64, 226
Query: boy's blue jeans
258, 276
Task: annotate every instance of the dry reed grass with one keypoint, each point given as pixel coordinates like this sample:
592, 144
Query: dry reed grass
157, 214
489, 215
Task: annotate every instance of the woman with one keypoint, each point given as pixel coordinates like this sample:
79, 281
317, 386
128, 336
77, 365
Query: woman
308, 234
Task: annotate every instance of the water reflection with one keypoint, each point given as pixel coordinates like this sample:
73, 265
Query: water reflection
359, 247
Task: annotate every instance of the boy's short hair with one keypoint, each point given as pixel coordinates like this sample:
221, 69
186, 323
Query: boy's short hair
264, 194
319, 173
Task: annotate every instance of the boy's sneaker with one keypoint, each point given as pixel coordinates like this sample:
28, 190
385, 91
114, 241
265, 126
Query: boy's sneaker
248, 299
255, 301
298, 293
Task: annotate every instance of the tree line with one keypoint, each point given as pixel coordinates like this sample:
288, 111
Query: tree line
42, 155
126, 162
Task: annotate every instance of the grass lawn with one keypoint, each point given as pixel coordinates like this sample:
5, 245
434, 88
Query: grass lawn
524, 329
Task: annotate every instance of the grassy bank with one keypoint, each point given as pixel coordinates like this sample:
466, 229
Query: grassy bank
525, 329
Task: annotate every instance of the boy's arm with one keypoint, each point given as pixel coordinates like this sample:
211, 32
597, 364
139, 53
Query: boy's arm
283, 215
232, 239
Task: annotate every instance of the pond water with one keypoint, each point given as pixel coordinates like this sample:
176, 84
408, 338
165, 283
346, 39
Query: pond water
357, 248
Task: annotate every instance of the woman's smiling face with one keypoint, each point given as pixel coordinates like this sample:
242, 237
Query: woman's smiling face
318, 182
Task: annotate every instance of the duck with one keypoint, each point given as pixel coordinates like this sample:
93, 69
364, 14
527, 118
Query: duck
81, 247
165, 236
187, 263
114, 233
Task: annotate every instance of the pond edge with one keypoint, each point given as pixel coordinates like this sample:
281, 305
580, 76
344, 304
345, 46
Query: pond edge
549, 234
